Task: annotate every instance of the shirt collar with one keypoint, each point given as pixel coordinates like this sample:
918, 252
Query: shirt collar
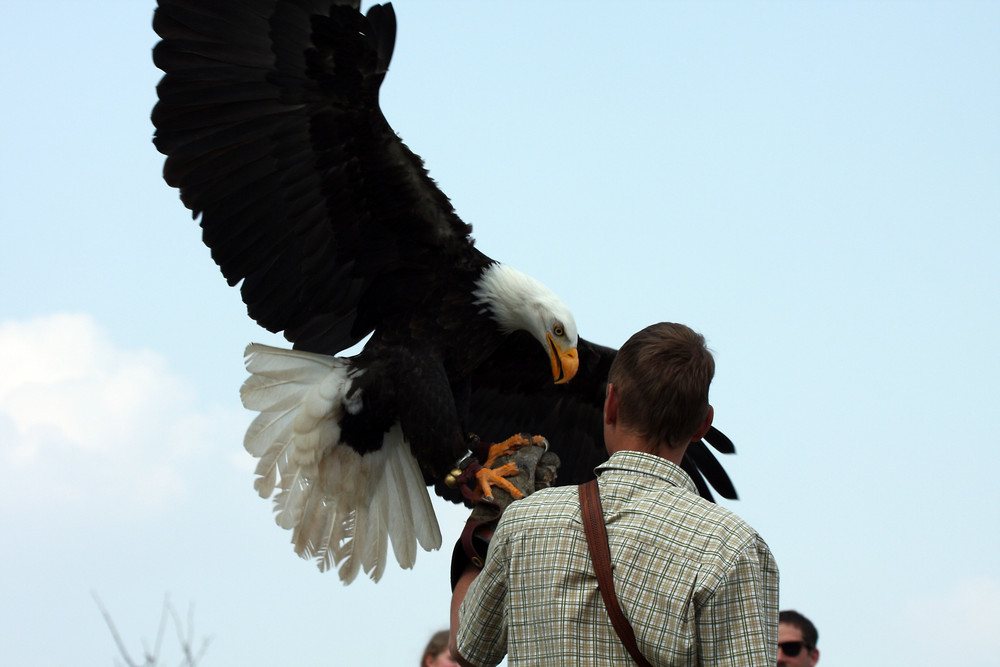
649, 464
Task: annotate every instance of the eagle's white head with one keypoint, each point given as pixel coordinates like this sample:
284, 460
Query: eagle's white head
518, 302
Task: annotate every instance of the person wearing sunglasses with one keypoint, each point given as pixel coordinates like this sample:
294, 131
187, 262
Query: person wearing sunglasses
797, 638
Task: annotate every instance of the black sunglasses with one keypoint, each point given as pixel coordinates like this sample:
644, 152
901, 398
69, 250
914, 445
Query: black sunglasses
791, 649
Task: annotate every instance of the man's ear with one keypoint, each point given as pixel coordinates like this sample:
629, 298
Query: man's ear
705, 425
611, 405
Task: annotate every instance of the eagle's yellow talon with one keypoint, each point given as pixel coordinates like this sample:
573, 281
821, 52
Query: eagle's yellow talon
505, 448
490, 477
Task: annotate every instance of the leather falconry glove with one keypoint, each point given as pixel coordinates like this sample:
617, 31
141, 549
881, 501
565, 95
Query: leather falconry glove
526, 469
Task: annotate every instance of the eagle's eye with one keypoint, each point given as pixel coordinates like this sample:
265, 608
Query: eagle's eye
559, 331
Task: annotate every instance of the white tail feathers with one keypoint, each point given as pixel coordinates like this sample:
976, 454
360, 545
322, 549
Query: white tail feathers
343, 507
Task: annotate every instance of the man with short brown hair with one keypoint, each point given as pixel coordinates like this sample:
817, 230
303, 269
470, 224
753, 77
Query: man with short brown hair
666, 371
697, 584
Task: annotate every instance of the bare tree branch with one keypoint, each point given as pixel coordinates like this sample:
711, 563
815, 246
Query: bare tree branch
152, 657
114, 631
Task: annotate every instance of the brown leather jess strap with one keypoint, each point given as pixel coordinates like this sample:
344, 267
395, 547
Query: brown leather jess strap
600, 554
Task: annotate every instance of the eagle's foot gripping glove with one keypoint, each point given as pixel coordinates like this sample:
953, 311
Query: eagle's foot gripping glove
527, 467
494, 471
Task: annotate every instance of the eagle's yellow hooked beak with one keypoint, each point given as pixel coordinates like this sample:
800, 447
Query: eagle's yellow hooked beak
565, 363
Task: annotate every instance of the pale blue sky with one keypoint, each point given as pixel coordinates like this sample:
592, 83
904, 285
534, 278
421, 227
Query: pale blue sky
814, 186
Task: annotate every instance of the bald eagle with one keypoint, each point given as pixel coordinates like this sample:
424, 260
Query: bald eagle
269, 118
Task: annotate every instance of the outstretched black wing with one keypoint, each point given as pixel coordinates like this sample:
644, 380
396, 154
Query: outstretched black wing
268, 115
570, 416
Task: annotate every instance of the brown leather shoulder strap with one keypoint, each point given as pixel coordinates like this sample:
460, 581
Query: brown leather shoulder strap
600, 554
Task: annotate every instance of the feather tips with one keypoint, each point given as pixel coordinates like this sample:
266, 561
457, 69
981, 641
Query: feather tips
343, 508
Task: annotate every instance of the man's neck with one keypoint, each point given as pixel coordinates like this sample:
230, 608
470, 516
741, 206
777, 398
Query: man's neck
635, 443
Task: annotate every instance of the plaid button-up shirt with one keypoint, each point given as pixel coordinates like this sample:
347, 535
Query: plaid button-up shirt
698, 584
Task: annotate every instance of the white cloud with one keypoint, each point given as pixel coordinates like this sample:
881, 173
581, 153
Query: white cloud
81, 420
